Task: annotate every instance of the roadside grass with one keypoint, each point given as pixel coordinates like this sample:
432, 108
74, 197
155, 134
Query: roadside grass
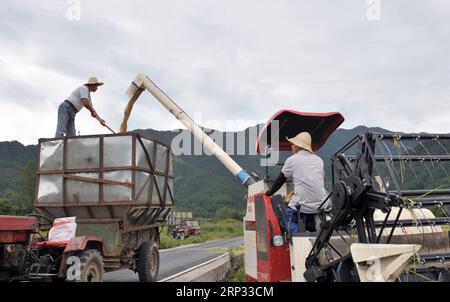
209, 231
237, 272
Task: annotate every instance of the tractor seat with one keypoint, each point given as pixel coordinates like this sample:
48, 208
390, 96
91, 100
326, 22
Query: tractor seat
61, 233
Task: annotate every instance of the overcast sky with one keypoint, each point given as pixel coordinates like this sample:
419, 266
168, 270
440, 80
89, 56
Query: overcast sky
235, 62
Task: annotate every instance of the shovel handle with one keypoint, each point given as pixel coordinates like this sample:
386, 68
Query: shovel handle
104, 125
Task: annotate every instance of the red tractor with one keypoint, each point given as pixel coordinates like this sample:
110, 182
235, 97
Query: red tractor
15, 241
26, 253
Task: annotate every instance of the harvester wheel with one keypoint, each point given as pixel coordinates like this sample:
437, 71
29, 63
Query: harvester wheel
91, 262
148, 263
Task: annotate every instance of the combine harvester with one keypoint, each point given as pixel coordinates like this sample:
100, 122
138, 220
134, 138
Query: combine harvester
379, 226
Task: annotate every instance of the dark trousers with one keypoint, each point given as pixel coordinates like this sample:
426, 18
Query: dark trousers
308, 220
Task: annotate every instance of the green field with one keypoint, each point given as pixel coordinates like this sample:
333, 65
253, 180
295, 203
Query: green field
209, 231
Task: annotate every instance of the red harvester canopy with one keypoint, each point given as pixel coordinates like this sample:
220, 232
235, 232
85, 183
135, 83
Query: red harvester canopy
291, 123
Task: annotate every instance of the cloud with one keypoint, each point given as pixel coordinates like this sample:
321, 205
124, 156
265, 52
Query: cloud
232, 61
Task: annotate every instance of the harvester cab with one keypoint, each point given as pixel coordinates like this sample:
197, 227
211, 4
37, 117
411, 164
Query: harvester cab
266, 235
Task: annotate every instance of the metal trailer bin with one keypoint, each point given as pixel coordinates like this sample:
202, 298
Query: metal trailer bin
120, 189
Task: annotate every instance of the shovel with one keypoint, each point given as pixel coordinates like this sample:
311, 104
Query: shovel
104, 125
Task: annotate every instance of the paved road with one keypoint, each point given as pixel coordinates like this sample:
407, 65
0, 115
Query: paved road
173, 261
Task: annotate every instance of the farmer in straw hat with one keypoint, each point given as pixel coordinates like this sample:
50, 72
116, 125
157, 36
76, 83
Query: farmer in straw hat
81, 97
307, 172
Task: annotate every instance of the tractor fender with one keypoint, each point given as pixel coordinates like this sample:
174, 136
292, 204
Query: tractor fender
80, 243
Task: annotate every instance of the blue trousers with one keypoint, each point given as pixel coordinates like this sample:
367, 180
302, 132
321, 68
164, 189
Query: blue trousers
66, 120
308, 219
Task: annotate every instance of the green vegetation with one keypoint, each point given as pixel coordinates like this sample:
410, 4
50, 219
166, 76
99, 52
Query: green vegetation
209, 231
228, 213
19, 199
237, 272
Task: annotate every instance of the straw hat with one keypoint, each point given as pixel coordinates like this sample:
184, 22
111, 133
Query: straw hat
302, 140
94, 81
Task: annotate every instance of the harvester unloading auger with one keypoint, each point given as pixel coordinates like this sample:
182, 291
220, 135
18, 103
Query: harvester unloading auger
379, 227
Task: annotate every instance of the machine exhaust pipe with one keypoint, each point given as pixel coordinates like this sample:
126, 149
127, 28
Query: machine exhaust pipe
142, 82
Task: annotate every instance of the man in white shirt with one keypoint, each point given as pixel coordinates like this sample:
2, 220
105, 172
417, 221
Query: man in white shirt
307, 173
80, 97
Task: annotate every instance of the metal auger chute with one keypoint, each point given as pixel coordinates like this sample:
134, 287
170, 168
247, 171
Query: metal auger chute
142, 83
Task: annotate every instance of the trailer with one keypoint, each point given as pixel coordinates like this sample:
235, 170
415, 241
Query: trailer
118, 189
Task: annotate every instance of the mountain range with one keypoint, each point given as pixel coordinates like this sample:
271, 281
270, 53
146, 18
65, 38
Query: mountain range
202, 183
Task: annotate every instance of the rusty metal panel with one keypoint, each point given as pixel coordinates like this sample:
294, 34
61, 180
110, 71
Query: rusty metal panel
78, 212
143, 187
159, 186
101, 212
169, 196
117, 192
161, 153
135, 215
81, 191
96, 176
170, 164
109, 232
83, 153
52, 212
117, 151
50, 189
51, 155
141, 160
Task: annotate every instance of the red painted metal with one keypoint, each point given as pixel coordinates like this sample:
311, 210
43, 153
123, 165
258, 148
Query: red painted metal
10, 237
292, 122
18, 223
16, 229
250, 279
278, 266
80, 243
52, 243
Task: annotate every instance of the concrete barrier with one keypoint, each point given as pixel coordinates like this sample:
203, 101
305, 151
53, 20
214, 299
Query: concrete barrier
211, 271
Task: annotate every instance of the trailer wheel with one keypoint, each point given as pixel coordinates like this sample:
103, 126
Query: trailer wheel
91, 262
148, 263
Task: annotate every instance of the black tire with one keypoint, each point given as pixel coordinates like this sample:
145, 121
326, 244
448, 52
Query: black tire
182, 236
92, 269
148, 263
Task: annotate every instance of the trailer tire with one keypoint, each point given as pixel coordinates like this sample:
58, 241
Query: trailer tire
148, 263
91, 266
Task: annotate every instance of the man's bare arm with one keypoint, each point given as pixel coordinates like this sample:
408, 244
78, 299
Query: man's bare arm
88, 104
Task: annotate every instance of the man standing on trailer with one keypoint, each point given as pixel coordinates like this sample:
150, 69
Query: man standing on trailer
307, 172
80, 97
